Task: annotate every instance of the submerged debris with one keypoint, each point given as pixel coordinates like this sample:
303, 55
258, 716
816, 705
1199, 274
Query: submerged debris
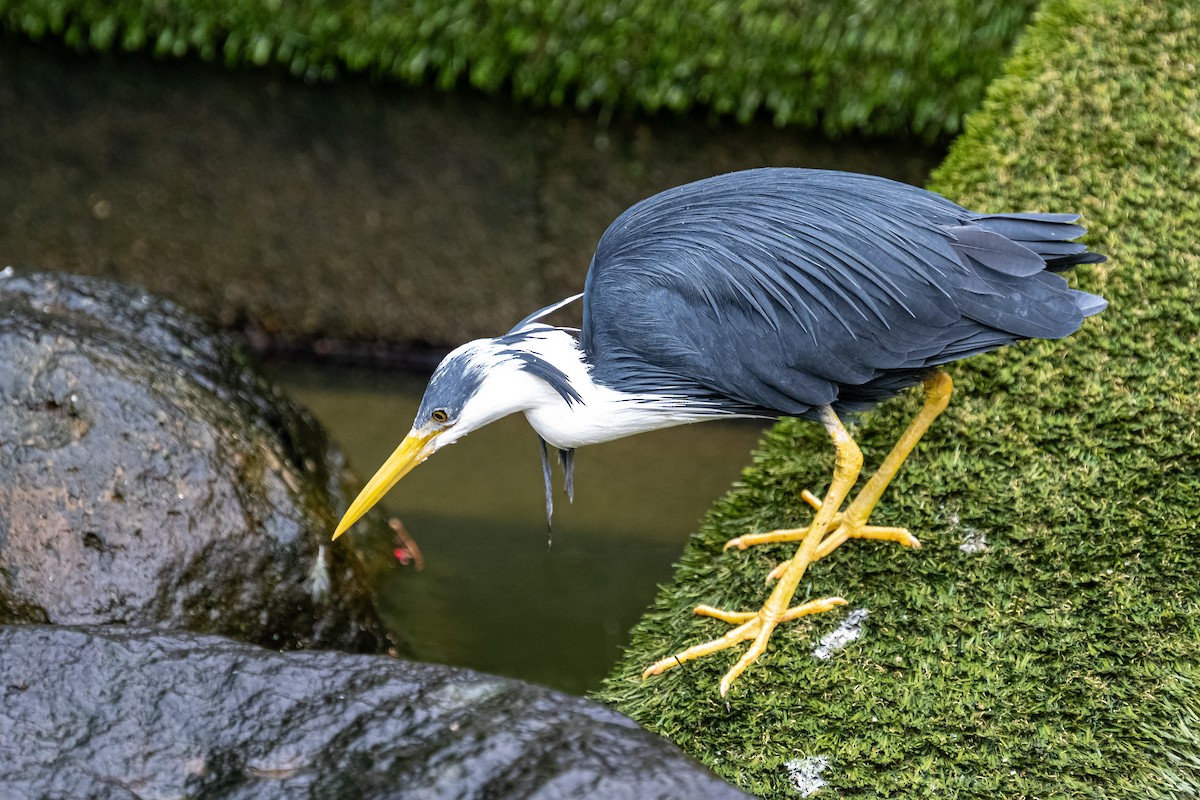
844, 634
805, 773
406, 551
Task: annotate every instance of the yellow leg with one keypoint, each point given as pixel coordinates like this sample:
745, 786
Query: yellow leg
854, 519
851, 523
757, 626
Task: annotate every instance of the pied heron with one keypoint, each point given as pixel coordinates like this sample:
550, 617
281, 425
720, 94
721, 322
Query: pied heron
765, 293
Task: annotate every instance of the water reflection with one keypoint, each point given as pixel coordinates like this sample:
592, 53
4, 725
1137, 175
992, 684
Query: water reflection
495, 594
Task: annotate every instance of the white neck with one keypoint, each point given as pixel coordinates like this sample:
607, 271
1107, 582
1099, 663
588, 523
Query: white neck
599, 414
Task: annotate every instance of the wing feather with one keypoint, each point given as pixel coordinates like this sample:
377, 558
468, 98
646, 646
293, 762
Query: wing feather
786, 289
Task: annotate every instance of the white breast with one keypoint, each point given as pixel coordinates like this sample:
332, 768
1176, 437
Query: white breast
604, 415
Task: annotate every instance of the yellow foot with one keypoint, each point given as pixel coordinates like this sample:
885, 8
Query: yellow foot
756, 625
839, 531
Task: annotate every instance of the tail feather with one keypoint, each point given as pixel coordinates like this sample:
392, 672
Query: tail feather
1088, 303
1049, 235
1032, 226
1062, 263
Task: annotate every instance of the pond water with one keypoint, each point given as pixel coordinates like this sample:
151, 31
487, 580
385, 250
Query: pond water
496, 592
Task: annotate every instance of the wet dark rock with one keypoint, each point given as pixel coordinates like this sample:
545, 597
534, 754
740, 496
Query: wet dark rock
148, 477
117, 712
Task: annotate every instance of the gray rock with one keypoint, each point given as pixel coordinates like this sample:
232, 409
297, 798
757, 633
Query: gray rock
148, 477
123, 713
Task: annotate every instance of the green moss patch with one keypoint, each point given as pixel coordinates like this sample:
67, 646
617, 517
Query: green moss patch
867, 66
1055, 657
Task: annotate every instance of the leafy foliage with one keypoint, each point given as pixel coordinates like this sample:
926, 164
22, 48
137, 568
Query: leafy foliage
865, 66
1054, 663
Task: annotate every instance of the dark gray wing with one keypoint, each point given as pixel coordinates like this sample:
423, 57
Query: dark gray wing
787, 289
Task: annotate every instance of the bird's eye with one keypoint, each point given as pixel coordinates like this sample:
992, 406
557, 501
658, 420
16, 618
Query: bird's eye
439, 415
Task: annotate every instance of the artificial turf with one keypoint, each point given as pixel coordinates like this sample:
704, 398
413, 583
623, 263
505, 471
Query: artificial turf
1060, 658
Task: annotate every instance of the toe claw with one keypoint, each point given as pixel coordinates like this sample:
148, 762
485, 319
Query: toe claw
657, 668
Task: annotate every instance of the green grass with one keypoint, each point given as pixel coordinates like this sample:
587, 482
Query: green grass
1061, 663
864, 66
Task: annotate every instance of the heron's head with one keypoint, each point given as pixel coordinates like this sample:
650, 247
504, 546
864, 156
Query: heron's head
476, 384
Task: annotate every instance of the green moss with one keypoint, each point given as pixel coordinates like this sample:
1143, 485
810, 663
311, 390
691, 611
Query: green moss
866, 66
1049, 665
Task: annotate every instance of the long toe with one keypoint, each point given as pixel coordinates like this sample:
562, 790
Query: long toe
751, 625
745, 631
783, 535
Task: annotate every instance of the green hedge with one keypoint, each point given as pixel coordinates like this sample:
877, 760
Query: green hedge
1062, 662
848, 66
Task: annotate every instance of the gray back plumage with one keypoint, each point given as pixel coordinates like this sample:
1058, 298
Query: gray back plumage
781, 290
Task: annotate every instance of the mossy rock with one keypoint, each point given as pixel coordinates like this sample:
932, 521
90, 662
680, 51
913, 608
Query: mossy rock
1059, 659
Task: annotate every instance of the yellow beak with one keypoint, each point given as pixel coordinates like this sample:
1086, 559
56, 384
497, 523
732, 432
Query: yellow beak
412, 451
